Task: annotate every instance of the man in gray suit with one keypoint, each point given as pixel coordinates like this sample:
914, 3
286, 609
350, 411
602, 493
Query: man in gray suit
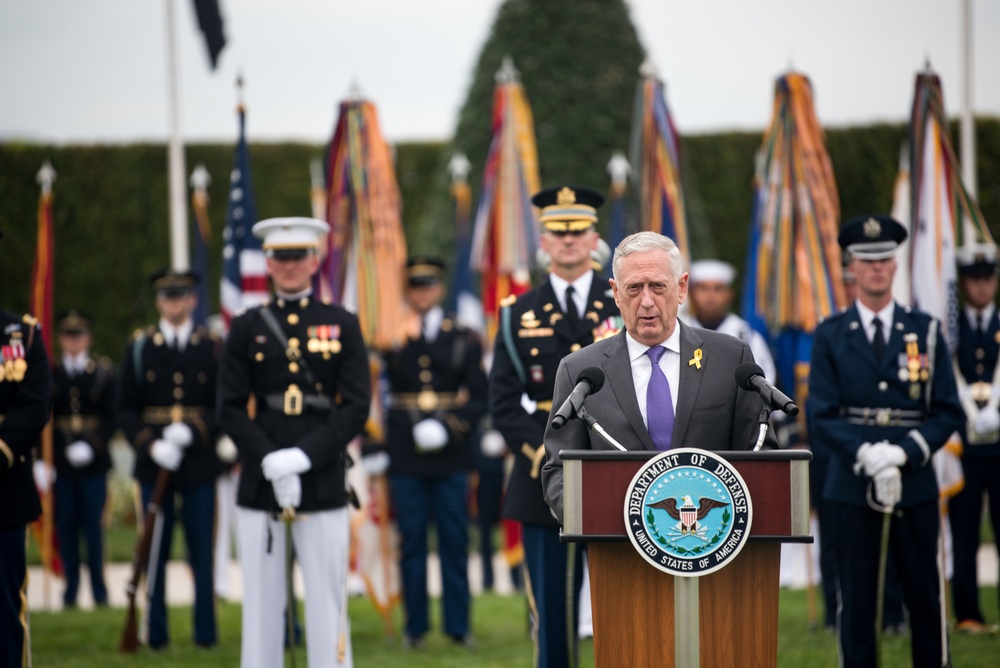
668, 385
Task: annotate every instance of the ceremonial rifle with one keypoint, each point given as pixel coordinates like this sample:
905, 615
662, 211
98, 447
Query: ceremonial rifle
130, 634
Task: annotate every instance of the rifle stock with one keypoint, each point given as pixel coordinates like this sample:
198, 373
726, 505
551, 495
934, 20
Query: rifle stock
130, 634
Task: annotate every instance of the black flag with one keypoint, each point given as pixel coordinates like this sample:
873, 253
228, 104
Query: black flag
210, 22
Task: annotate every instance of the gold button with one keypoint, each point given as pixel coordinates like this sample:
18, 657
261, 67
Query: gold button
259, 357
293, 342
424, 360
426, 376
573, 348
178, 377
446, 325
150, 375
74, 392
534, 352
293, 367
202, 377
980, 369
178, 393
293, 318
304, 302
980, 353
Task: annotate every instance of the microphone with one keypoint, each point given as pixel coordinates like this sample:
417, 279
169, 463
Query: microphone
589, 381
750, 376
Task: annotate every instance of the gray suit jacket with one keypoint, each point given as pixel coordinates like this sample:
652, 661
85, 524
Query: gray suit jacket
713, 413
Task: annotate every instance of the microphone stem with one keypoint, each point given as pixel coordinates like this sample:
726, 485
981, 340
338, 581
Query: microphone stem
764, 414
593, 424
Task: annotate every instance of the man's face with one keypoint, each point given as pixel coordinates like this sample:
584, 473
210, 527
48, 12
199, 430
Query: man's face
424, 297
874, 277
73, 343
569, 251
292, 275
648, 296
711, 300
176, 309
979, 291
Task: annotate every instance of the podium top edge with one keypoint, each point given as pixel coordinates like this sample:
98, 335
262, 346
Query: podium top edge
729, 455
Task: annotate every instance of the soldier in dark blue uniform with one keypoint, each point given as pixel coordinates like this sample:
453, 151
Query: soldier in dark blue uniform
571, 309
166, 408
437, 394
303, 366
883, 399
83, 410
979, 390
25, 393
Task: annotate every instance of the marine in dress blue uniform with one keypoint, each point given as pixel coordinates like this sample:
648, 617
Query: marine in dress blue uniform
83, 412
537, 329
166, 408
978, 379
883, 407
303, 367
437, 394
25, 395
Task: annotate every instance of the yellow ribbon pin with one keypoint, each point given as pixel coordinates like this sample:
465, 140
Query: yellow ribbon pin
696, 360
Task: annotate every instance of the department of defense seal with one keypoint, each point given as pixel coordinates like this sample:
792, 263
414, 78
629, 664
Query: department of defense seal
688, 512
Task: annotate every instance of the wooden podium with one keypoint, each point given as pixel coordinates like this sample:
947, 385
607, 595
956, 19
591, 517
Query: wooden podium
645, 617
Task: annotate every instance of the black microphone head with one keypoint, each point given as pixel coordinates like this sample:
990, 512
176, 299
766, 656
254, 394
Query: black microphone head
594, 376
746, 371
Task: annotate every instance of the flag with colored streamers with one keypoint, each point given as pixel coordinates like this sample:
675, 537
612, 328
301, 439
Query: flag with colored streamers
793, 268
365, 249
202, 239
464, 301
244, 273
505, 234
654, 153
901, 212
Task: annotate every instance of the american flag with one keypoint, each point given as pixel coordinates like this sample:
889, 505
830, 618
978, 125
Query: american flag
244, 277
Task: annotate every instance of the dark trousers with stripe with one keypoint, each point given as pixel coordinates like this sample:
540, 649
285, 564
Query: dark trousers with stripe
79, 507
197, 519
913, 544
965, 512
554, 605
13, 593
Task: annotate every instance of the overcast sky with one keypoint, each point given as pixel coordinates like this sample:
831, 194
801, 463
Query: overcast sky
95, 71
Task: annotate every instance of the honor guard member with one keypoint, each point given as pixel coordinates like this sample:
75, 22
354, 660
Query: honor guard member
978, 377
882, 393
572, 308
83, 412
25, 392
303, 365
437, 395
166, 408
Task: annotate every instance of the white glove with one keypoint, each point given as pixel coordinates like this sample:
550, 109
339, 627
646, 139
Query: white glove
45, 475
288, 491
376, 463
987, 420
889, 486
492, 444
882, 456
226, 449
79, 454
166, 454
284, 462
430, 435
179, 434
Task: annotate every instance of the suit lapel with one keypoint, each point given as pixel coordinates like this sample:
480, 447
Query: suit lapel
689, 384
618, 372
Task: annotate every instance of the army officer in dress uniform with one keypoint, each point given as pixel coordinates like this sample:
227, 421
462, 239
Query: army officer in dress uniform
303, 365
166, 408
437, 395
883, 398
83, 410
571, 309
25, 393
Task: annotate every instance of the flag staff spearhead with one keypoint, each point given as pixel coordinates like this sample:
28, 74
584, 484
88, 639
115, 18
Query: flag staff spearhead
46, 177
507, 72
200, 178
619, 169
459, 167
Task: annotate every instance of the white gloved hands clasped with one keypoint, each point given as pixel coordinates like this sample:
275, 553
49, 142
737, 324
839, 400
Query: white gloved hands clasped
288, 491
376, 463
166, 454
492, 444
430, 435
226, 449
179, 434
79, 454
881, 456
284, 462
888, 486
987, 420
45, 475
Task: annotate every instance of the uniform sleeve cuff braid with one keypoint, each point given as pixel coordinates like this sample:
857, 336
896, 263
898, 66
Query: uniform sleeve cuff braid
5, 449
919, 439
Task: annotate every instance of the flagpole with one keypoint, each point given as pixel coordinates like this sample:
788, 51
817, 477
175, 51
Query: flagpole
175, 155
968, 122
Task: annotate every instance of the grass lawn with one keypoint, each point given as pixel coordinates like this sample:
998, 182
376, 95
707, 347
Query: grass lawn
83, 639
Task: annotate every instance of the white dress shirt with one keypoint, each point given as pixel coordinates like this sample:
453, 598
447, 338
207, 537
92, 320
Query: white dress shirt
75, 364
670, 364
181, 334
581, 288
868, 320
432, 323
986, 313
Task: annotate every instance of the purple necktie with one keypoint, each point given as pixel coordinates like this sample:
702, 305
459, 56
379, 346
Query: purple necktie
659, 403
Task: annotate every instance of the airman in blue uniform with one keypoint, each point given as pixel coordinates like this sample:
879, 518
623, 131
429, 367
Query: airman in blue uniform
882, 393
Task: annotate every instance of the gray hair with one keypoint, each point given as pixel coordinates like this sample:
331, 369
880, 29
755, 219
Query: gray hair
643, 242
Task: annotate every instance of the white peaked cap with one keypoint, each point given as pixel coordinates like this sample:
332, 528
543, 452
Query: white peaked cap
712, 270
290, 233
